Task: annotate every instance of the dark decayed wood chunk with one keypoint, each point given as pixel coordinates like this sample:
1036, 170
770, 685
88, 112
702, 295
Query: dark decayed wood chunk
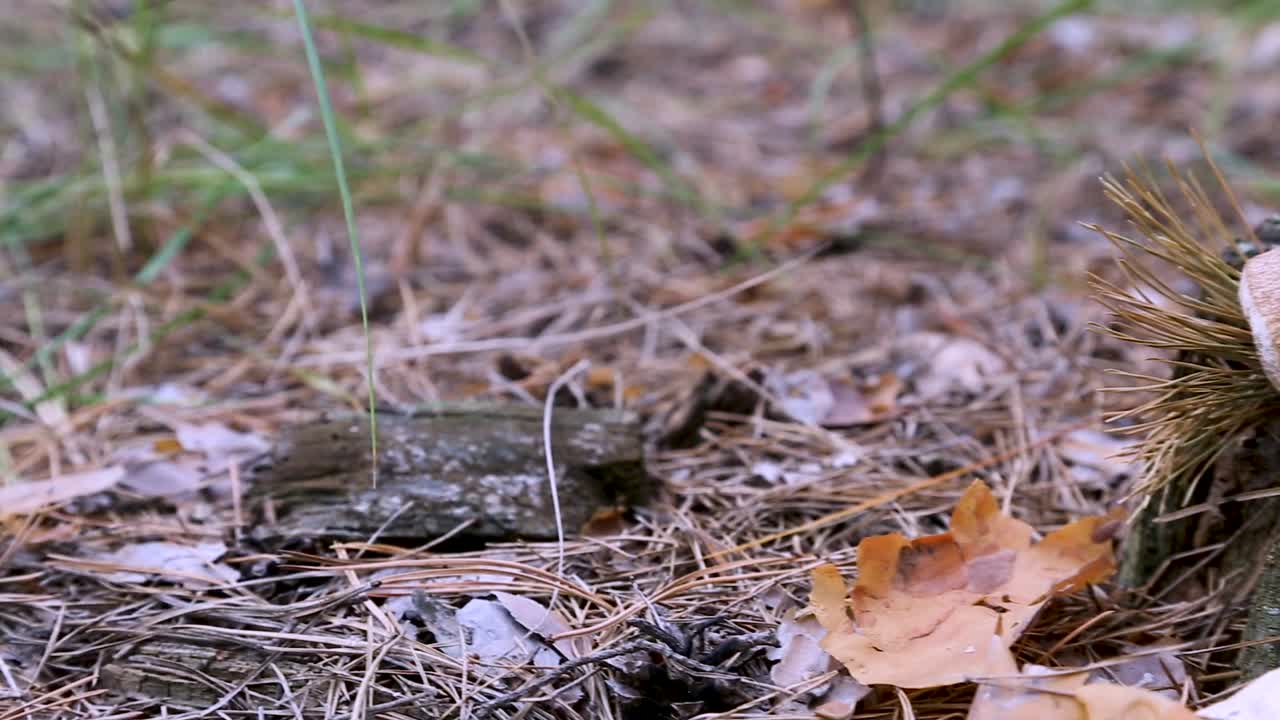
439, 469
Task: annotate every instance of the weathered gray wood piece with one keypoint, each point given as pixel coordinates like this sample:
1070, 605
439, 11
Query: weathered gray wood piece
188, 674
439, 469
1264, 621
185, 674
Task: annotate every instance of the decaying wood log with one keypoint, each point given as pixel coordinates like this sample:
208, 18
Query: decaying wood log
1264, 620
188, 674
480, 468
206, 675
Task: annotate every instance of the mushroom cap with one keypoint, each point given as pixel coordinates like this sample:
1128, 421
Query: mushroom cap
1260, 300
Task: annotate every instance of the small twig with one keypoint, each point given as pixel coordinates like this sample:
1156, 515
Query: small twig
698, 627
872, 90
735, 644
672, 647
14, 690
566, 668
675, 642
681, 640
552, 391
687, 663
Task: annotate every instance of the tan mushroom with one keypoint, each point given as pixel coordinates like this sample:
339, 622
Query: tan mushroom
1260, 300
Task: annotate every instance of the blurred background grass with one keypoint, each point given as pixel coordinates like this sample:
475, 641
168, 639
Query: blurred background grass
651, 134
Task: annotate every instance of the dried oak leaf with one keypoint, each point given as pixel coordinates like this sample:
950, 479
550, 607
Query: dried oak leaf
945, 608
1037, 694
1040, 694
1117, 702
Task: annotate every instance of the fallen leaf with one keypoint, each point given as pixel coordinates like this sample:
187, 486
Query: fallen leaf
841, 701
937, 364
163, 478
809, 397
1039, 693
438, 617
846, 457
871, 401
187, 564
925, 611
1259, 700
828, 599
849, 406
1117, 702
544, 623
799, 655
166, 446
609, 384
219, 443
493, 636
1035, 695
27, 497
1160, 672
604, 522
1096, 456
804, 395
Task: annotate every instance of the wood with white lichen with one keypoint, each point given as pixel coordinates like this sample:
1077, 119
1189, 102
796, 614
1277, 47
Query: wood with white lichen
482, 469
1260, 300
1263, 626
187, 674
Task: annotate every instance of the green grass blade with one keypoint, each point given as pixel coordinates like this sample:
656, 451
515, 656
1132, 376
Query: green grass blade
394, 37
224, 291
348, 212
157, 263
598, 116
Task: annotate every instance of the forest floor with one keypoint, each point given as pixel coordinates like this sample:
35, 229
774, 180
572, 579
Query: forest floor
875, 284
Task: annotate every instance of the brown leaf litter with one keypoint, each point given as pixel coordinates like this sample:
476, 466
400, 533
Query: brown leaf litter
945, 608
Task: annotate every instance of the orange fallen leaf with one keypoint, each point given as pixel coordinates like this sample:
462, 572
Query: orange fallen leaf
932, 648
1038, 695
607, 379
841, 701
1117, 702
828, 597
600, 378
167, 446
604, 522
944, 608
1032, 696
